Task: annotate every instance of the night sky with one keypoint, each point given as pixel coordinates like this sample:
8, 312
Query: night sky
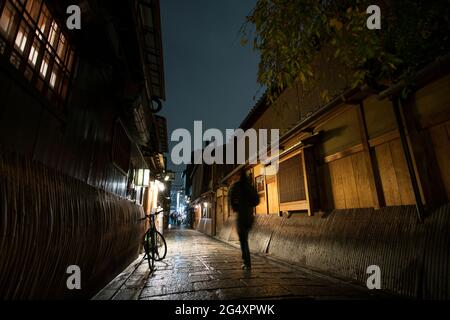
209, 75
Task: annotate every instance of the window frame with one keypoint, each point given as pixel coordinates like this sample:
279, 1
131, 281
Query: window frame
29, 54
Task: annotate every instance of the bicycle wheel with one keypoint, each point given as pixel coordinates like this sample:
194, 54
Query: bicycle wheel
161, 247
149, 251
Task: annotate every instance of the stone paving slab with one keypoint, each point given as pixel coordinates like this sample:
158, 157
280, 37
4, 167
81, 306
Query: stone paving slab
198, 267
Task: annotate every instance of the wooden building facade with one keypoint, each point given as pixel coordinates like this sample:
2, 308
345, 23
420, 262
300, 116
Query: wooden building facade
363, 179
363, 149
76, 125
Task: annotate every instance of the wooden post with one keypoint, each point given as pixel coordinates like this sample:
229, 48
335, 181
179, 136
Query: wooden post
369, 156
310, 181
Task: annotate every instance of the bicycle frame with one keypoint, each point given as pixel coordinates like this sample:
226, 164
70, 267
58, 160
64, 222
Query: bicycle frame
150, 239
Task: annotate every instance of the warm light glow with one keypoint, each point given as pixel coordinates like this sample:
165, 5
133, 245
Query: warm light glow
146, 181
160, 185
44, 67
53, 80
21, 39
34, 51
166, 178
6, 20
139, 177
53, 32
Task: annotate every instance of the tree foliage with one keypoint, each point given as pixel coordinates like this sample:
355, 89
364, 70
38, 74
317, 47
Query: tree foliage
289, 33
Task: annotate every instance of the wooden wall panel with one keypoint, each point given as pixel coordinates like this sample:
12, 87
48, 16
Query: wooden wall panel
433, 102
440, 136
340, 132
349, 182
394, 174
337, 187
51, 221
261, 208
360, 164
379, 116
272, 197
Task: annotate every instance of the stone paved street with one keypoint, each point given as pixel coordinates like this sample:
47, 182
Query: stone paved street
198, 267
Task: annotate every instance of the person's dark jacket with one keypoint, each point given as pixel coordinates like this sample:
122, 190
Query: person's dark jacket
243, 198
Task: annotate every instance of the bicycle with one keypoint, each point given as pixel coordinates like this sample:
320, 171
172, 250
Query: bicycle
154, 243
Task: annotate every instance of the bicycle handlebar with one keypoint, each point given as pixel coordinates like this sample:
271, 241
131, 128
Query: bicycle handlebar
151, 214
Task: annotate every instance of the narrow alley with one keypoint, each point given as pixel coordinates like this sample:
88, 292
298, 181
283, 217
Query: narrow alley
198, 267
219, 150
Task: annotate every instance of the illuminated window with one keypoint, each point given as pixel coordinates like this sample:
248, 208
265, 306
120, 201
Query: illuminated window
52, 38
35, 43
55, 76
23, 35
7, 19
44, 22
61, 51
33, 7
44, 65
34, 52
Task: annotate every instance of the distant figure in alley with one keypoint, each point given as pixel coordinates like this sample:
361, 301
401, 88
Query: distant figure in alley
243, 198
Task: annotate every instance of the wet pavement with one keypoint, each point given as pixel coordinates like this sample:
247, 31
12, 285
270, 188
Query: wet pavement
198, 267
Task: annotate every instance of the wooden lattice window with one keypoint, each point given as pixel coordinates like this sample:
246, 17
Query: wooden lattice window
291, 180
34, 43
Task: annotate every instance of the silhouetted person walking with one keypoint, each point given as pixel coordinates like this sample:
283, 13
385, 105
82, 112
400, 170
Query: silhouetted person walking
243, 198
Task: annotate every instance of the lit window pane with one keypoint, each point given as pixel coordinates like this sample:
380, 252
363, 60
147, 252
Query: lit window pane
55, 77
61, 47
52, 38
44, 66
23, 35
53, 80
33, 7
44, 21
40, 49
7, 19
34, 52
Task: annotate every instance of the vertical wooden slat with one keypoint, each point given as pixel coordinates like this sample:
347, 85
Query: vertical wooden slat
388, 177
337, 185
349, 183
